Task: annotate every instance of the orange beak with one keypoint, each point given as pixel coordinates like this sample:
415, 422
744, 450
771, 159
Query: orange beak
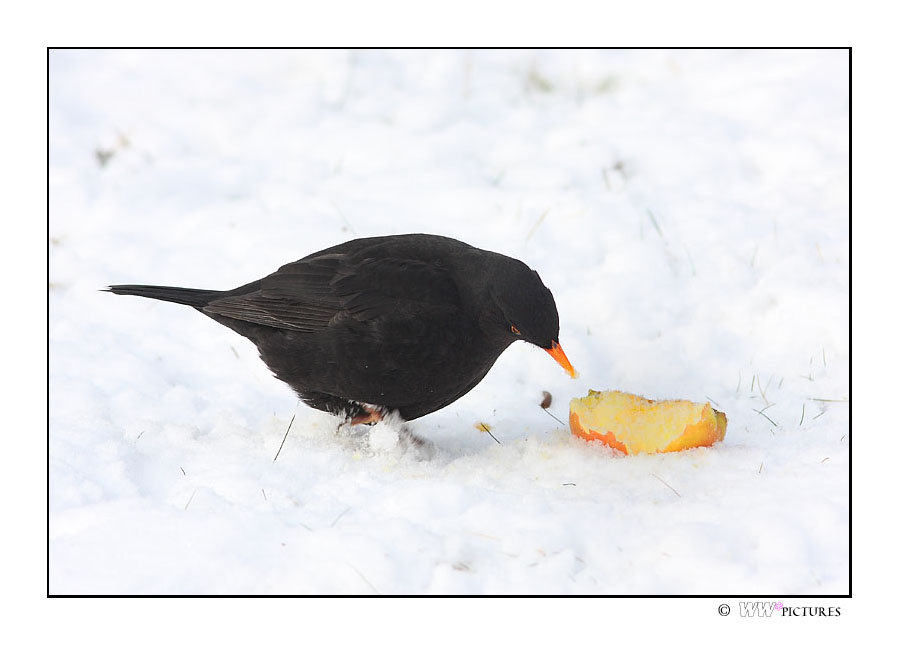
560, 357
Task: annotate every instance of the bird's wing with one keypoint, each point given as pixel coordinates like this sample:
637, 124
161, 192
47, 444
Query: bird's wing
311, 294
374, 287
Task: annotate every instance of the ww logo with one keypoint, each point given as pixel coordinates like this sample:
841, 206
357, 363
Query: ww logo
759, 608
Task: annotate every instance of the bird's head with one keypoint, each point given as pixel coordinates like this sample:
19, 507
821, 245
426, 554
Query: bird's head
528, 311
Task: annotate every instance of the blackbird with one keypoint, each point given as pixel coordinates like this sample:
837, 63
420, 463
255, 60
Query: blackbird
401, 324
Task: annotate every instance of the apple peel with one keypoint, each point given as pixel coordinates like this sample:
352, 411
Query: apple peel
633, 424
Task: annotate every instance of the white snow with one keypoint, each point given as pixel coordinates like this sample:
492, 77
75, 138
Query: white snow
688, 209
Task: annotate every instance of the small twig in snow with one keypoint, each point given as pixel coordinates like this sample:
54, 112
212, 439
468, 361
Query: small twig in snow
666, 483
285, 437
766, 416
339, 516
712, 400
374, 589
802, 414
762, 392
690, 260
189, 500
655, 224
536, 225
485, 428
554, 417
347, 225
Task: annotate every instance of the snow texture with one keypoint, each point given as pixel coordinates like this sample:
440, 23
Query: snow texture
688, 209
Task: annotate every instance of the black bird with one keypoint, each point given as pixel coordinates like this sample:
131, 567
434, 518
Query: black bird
403, 323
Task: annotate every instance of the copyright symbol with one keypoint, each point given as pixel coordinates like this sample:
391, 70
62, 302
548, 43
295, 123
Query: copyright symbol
724, 610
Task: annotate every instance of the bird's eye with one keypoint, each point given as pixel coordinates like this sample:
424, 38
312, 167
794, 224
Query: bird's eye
515, 330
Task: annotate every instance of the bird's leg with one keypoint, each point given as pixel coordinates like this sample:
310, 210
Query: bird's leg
409, 439
372, 415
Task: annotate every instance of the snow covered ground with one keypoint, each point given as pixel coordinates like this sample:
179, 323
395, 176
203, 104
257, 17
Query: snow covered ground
688, 209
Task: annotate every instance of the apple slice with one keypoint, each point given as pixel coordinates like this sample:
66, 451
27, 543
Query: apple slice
633, 424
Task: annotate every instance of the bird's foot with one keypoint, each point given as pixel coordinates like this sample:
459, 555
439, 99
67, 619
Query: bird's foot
409, 440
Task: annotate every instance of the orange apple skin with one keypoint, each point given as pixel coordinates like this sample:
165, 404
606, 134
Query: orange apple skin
706, 432
590, 435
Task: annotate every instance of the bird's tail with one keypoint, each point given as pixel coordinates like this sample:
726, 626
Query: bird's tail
182, 295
